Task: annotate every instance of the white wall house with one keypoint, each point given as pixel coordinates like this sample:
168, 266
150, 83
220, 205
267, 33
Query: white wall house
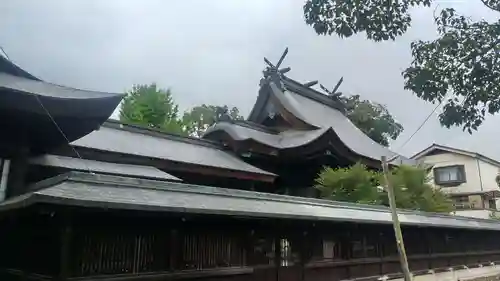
469, 178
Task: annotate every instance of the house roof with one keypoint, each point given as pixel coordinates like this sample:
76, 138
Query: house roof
133, 140
322, 115
114, 192
472, 154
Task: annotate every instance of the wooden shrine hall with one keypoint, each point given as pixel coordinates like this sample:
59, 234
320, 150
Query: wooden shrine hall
85, 198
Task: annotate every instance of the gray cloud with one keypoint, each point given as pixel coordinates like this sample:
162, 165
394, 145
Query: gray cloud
211, 52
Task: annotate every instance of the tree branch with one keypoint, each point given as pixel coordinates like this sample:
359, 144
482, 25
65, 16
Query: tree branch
489, 4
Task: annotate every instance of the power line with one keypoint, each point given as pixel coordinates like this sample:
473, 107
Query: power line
421, 125
62, 132
428, 117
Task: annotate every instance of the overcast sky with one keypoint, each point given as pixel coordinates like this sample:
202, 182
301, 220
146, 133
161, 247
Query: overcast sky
212, 52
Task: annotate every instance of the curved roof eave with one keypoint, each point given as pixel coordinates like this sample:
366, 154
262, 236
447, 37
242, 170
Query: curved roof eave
284, 140
306, 105
287, 140
38, 113
7, 66
19, 87
58, 100
49, 90
324, 116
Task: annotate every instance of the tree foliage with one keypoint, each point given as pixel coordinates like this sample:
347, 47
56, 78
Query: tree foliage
357, 184
460, 68
199, 118
372, 118
414, 190
151, 107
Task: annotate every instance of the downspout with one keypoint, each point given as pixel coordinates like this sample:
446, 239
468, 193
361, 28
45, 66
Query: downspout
4, 178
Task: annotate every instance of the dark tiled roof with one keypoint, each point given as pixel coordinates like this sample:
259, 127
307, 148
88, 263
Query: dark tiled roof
132, 140
78, 164
113, 192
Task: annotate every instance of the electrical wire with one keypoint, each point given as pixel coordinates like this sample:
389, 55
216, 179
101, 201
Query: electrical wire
421, 125
428, 117
62, 133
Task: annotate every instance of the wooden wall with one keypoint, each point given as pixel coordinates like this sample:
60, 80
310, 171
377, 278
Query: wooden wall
106, 245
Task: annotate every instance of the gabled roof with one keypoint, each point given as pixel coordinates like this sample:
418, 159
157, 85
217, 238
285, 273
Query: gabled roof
37, 113
437, 147
133, 140
113, 192
320, 114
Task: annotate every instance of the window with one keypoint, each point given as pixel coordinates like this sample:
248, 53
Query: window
462, 202
492, 204
449, 175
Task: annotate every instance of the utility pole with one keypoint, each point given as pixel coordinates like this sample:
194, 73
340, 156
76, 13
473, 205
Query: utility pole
395, 221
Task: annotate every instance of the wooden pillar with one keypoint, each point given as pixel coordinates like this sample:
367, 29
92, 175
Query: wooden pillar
277, 251
16, 183
175, 245
305, 253
66, 233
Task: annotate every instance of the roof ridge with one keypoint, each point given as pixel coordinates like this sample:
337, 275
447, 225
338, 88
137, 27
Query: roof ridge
116, 124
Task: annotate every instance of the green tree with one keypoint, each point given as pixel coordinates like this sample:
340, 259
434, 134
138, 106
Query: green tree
357, 184
152, 107
199, 118
372, 118
460, 68
413, 190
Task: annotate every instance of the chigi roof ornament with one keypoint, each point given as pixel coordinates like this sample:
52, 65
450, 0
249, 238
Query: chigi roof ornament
273, 72
333, 93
